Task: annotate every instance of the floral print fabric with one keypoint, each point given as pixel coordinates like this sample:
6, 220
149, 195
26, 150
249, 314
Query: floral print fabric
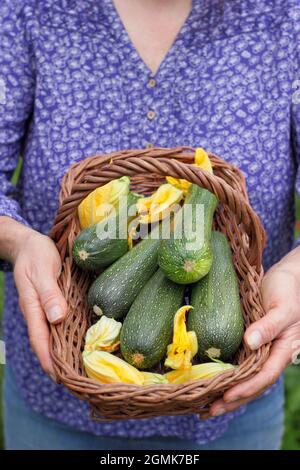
72, 85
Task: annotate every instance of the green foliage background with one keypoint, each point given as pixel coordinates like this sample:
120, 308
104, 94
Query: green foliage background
292, 385
1, 366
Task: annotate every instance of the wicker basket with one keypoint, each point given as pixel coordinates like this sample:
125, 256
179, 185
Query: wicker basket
234, 217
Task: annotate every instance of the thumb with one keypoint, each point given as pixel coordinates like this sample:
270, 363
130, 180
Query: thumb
51, 299
267, 328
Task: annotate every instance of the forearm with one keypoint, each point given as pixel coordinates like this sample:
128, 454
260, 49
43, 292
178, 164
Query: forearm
12, 234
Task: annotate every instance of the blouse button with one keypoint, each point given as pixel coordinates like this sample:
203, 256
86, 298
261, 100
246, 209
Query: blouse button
151, 115
149, 145
152, 83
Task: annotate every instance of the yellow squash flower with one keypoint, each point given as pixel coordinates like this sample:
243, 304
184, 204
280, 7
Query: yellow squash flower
154, 379
103, 335
185, 346
179, 183
100, 202
132, 234
197, 372
130, 240
201, 160
159, 204
107, 368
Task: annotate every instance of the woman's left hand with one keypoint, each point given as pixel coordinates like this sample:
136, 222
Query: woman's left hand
281, 325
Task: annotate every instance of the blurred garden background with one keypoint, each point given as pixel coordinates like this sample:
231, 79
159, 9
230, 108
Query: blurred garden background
292, 383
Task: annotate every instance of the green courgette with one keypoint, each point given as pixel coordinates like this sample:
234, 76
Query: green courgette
186, 256
147, 328
216, 316
114, 291
101, 244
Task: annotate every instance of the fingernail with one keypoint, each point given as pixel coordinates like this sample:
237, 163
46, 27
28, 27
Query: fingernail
54, 313
219, 412
254, 340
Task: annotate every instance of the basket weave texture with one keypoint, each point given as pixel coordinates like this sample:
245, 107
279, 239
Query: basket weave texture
234, 217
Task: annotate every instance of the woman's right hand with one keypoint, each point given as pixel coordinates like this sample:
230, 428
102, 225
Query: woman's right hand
37, 266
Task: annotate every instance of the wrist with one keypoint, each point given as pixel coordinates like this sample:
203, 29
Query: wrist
13, 236
290, 263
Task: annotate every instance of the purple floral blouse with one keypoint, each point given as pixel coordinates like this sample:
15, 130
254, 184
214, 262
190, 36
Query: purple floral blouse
72, 85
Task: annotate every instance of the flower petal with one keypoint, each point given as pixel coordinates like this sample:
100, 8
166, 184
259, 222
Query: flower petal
184, 346
154, 379
103, 335
92, 210
197, 372
107, 368
202, 160
160, 204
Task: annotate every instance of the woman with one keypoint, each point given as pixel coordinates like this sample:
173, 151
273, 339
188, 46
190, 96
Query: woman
82, 77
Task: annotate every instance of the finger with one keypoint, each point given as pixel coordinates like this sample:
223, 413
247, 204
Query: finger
52, 301
279, 358
38, 328
269, 327
220, 407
